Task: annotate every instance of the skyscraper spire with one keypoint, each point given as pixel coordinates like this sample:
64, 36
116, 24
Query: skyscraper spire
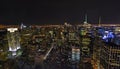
85, 18
99, 21
21, 26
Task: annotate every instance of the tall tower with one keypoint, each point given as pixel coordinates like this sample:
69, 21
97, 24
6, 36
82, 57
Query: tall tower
22, 26
85, 19
86, 24
13, 40
110, 54
99, 22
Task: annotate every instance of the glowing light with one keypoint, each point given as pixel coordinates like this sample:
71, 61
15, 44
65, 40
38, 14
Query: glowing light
104, 37
13, 53
106, 31
12, 49
108, 35
18, 47
22, 26
12, 29
13, 40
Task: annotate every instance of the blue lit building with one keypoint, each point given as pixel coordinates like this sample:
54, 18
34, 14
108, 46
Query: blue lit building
108, 36
110, 52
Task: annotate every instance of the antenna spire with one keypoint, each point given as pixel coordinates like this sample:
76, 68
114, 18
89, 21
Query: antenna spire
99, 21
85, 18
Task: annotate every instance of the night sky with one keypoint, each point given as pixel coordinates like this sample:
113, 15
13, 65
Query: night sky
58, 11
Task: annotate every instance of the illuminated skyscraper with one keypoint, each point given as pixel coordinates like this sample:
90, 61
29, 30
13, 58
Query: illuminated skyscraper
22, 26
110, 54
99, 22
13, 40
86, 24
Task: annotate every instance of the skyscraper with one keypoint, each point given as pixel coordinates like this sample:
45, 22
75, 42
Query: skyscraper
110, 55
13, 40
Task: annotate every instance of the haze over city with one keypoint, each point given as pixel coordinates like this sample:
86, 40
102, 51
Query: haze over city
57, 12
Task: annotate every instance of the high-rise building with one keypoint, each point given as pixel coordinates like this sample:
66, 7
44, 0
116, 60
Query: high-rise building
75, 54
13, 40
110, 55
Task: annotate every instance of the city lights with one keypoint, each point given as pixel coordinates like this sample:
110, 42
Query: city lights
83, 46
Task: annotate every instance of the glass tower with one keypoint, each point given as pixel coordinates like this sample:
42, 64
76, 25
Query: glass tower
13, 40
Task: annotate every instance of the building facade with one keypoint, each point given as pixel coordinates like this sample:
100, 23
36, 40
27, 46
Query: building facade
110, 56
13, 40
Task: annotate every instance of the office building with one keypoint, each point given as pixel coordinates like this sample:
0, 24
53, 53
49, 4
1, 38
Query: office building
13, 40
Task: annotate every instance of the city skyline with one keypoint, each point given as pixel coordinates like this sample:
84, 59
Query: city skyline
58, 12
85, 46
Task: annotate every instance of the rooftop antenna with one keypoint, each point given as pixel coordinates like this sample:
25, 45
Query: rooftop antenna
99, 22
65, 23
85, 18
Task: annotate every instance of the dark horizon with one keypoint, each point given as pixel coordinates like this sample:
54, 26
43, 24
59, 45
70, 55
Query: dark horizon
58, 12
